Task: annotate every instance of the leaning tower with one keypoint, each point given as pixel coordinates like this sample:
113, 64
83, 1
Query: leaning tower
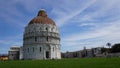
41, 38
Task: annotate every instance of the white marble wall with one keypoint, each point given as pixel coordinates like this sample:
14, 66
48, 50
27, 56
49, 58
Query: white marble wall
47, 37
21, 53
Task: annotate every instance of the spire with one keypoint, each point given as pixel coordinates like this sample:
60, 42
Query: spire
42, 13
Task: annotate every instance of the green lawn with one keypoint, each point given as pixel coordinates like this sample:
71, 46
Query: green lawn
64, 63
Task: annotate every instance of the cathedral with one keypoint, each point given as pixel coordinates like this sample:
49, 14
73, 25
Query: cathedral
41, 39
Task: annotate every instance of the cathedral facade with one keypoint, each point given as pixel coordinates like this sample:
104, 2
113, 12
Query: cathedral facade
41, 38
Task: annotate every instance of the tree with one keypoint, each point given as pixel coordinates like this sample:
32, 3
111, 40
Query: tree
103, 50
109, 49
116, 48
108, 44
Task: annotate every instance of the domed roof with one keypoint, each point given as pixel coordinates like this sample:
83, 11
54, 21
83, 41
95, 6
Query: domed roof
42, 18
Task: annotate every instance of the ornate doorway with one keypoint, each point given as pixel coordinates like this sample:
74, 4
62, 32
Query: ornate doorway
47, 54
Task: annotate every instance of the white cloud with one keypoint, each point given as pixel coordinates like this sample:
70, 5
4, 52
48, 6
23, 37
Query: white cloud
13, 40
98, 37
65, 18
101, 15
105, 11
10, 14
105, 29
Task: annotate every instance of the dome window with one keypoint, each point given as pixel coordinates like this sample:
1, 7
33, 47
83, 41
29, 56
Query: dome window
46, 29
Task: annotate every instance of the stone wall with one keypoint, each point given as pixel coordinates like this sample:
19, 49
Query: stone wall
44, 37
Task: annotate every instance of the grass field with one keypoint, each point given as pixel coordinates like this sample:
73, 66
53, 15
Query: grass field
64, 63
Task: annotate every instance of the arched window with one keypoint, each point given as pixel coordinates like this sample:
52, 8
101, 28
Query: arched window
52, 29
40, 49
33, 49
28, 50
47, 39
35, 39
46, 29
53, 49
40, 28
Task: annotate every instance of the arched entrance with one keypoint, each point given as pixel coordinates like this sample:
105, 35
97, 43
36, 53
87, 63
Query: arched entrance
47, 55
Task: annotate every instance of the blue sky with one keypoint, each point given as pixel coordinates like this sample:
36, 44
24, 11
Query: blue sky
90, 23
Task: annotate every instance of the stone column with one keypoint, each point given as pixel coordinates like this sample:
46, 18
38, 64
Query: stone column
44, 57
50, 52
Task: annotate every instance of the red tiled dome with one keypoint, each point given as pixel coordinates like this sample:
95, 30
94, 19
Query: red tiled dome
42, 18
